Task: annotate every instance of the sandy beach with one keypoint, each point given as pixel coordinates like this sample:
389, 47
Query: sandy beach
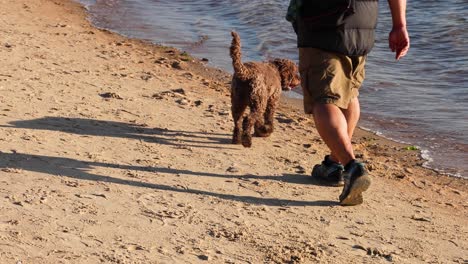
115, 150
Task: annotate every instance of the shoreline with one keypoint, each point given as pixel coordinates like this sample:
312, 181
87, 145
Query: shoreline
117, 150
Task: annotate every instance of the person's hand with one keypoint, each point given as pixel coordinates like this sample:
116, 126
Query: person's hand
399, 41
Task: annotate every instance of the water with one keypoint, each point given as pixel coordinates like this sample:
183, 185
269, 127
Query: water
421, 100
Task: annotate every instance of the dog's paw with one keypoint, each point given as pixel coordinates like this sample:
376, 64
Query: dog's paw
263, 131
247, 142
236, 138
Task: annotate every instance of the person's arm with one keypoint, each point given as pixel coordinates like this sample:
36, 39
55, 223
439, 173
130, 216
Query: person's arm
398, 39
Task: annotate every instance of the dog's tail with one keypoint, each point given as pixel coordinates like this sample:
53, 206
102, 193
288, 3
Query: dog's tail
235, 51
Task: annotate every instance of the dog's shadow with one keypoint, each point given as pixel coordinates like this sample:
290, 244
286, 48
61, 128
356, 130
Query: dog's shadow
92, 127
80, 170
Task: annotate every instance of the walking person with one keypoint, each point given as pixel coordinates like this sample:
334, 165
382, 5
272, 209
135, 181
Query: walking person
333, 38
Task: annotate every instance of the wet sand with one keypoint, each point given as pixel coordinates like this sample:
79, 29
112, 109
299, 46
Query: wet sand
118, 151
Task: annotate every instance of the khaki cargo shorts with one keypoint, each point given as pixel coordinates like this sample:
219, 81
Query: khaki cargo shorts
329, 78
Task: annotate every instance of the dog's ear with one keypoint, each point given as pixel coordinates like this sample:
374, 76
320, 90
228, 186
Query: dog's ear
285, 68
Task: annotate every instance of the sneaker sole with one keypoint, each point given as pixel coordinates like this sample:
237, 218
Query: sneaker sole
354, 197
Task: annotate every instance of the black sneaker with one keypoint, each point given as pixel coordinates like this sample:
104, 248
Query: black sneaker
329, 172
356, 182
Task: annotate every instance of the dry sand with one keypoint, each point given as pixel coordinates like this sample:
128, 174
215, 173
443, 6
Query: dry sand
117, 151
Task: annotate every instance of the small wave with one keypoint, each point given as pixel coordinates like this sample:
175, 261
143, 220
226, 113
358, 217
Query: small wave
425, 155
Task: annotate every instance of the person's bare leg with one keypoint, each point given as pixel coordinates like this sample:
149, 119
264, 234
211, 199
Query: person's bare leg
332, 126
351, 115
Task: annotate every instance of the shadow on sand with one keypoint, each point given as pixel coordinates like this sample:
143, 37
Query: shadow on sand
80, 170
92, 127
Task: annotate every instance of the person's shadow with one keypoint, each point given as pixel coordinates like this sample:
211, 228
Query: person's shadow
91, 127
80, 170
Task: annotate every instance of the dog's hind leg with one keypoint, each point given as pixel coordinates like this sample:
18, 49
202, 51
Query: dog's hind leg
247, 126
265, 127
270, 115
259, 127
237, 114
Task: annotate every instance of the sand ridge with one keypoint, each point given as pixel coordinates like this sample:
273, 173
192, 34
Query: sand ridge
118, 151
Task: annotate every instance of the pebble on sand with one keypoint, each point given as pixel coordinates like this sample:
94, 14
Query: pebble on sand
110, 95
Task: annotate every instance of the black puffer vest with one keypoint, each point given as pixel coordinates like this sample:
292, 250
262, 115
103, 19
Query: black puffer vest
343, 26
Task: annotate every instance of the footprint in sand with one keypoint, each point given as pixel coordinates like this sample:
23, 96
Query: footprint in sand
156, 206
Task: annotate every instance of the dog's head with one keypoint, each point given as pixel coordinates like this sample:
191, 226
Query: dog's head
289, 73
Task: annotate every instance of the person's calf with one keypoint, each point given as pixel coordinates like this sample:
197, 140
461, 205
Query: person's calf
333, 129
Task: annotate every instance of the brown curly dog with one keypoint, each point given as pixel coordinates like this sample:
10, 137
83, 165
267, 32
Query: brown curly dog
257, 85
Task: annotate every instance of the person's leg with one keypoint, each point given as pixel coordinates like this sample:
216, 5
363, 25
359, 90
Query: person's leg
351, 115
332, 125
355, 175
